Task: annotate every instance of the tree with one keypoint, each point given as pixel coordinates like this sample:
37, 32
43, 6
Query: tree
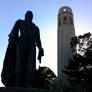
44, 77
79, 69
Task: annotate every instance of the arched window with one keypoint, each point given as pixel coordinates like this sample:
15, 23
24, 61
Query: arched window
70, 19
59, 21
65, 20
64, 9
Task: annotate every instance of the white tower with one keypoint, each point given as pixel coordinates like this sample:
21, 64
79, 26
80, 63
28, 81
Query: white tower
65, 32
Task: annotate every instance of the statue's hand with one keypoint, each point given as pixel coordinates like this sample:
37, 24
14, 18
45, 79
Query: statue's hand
39, 58
41, 53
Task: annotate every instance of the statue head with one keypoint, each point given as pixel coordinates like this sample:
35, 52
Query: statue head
29, 16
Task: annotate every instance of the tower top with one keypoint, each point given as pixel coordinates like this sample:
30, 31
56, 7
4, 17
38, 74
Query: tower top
65, 9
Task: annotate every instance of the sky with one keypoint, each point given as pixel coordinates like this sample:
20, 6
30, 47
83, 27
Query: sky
45, 17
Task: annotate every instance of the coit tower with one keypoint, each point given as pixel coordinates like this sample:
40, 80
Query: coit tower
65, 32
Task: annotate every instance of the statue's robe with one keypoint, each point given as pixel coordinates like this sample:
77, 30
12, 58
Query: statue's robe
8, 71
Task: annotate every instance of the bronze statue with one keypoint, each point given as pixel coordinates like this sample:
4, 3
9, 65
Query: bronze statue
23, 39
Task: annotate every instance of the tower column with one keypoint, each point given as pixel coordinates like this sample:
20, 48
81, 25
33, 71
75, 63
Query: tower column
64, 33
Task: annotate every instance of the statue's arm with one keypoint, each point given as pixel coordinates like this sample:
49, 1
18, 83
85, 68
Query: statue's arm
38, 41
15, 31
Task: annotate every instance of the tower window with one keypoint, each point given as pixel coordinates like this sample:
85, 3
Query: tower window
64, 9
71, 21
65, 20
59, 21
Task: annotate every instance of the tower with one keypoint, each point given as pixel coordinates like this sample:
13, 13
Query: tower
65, 32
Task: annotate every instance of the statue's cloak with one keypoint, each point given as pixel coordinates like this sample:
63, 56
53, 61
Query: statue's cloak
8, 71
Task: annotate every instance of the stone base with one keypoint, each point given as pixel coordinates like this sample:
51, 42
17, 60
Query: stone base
19, 89
58, 86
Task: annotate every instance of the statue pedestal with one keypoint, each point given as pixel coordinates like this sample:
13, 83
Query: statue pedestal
19, 89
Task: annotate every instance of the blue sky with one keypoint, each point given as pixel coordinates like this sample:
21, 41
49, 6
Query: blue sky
45, 16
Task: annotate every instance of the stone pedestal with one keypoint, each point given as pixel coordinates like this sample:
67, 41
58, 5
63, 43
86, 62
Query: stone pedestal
19, 89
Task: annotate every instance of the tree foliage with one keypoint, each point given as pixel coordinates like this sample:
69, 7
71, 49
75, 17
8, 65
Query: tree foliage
44, 78
79, 69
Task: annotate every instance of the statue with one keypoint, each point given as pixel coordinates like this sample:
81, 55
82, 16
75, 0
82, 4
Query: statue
19, 66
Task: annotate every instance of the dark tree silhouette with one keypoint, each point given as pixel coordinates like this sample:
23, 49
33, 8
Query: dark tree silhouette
79, 69
44, 77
